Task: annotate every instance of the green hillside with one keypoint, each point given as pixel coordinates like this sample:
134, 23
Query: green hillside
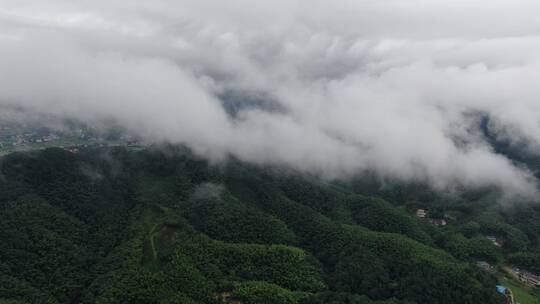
162, 226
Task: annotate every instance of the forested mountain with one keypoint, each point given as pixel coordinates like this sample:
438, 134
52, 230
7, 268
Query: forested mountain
162, 226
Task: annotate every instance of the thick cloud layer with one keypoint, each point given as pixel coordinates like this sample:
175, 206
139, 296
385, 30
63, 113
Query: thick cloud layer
333, 88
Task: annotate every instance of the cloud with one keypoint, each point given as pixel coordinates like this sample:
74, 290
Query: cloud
335, 89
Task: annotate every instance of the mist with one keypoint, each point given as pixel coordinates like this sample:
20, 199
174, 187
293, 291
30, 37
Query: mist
328, 88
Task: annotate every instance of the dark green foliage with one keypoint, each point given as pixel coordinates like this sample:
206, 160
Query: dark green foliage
513, 239
14, 290
470, 229
360, 271
425, 275
379, 215
5, 301
323, 198
146, 287
476, 248
526, 260
161, 226
407, 264
343, 298
264, 293
526, 217
230, 220
37, 240
282, 265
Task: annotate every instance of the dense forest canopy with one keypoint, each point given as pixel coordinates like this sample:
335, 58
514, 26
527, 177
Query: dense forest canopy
115, 225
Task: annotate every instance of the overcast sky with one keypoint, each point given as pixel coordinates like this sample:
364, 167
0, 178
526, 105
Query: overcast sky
327, 87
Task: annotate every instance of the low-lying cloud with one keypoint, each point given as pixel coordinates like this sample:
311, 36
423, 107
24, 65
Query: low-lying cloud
334, 88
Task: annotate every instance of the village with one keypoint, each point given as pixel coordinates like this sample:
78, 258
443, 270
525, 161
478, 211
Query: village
510, 274
15, 138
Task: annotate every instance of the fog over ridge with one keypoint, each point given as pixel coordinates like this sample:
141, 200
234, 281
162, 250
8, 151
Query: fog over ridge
395, 87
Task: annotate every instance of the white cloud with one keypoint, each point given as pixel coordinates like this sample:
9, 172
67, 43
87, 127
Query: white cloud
387, 85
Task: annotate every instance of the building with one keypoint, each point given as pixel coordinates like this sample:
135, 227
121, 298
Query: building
494, 240
421, 213
485, 266
529, 278
507, 293
438, 222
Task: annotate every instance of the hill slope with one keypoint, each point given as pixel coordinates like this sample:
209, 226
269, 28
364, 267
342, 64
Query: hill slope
161, 226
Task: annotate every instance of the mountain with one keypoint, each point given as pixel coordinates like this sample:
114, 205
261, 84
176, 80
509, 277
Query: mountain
114, 225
